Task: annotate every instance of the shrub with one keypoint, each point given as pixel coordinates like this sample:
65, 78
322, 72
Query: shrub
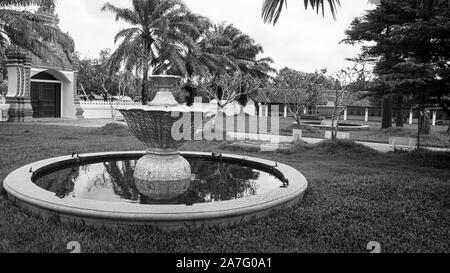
425, 158
113, 129
343, 147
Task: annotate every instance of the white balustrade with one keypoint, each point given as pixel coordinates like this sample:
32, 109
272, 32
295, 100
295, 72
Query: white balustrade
104, 109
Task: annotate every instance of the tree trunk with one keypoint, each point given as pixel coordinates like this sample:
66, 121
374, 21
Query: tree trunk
333, 124
298, 119
446, 110
145, 84
387, 112
338, 119
425, 125
399, 115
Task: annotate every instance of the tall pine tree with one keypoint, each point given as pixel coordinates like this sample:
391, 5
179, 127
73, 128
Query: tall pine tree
411, 50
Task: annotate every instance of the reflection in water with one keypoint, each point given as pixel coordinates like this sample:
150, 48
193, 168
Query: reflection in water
62, 182
114, 182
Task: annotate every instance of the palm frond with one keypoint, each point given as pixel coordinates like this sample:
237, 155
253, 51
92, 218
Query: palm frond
272, 8
26, 3
29, 31
126, 15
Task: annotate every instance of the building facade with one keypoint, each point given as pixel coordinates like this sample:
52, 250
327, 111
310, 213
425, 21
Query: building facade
42, 88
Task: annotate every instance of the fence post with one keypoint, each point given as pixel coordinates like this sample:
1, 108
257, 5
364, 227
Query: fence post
411, 115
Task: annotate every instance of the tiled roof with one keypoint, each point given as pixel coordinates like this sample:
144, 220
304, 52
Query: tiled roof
268, 96
359, 98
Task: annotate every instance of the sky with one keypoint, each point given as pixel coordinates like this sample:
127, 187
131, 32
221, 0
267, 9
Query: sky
301, 39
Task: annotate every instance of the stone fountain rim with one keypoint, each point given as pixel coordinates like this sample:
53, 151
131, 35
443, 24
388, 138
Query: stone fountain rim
165, 76
26, 194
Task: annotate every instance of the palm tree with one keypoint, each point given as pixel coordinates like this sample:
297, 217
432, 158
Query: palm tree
272, 8
195, 59
237, 51
155, 26
217, 49
27, 31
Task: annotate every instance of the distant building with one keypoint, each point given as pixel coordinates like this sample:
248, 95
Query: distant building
358, 106
42, 87
269, 100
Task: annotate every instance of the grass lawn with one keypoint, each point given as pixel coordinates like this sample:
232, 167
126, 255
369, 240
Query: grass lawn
356, 195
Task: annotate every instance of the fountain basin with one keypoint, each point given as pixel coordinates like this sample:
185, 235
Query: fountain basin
25, 193
343, 126
162, 174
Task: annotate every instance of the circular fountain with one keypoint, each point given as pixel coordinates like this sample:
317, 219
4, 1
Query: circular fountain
161, 186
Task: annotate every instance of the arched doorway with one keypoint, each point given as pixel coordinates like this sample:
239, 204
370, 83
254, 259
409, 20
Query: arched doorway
45, 96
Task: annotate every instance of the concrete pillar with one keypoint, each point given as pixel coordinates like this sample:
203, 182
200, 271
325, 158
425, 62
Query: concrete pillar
297, 135
286, 110
366, 118
434, 118
267, 111
345, 114
411, 116
19, 86
4, 109
78, 109
261, 109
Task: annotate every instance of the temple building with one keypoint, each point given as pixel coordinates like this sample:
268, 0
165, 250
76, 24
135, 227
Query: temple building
42, 88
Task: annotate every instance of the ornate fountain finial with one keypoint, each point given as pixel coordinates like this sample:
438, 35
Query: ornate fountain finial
164, 85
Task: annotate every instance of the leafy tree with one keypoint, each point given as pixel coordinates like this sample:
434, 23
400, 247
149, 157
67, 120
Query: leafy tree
351, 83
411, 49
94, 76
300, 90
229, 87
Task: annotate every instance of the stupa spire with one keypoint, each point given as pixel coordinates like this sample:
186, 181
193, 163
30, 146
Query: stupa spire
47, 12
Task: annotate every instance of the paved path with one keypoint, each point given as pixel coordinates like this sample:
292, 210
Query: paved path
94, 123
86, 123
381, 147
